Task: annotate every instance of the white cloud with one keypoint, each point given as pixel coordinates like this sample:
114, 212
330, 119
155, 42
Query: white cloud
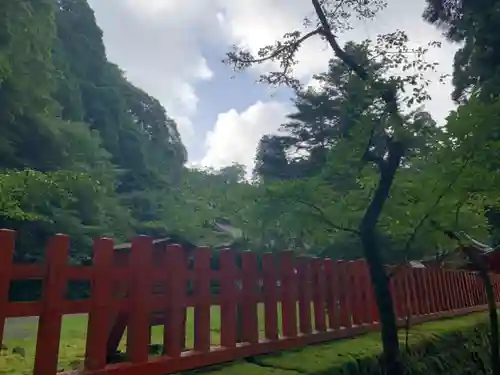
235, 136
157, 43
255, 23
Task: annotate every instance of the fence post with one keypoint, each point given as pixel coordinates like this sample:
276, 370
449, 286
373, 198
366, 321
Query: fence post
270, 296
202, 297
305, 322
319, 292
174, 327
100, 295
249, 293
49, 325
289, 302
7, 244
140, 289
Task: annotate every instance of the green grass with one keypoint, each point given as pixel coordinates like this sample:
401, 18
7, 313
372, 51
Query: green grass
327, 358
302, 360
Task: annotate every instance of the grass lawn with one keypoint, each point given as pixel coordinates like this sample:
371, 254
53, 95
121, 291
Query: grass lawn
74, 333
72, 348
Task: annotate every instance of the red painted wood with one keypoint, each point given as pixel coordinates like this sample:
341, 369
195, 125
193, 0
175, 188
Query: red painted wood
355, 292
425, 292
304, 287
406, 290
414, 303
343, 282
174, 330
270, 296
140, 285
470, 298
98, 323
441, 306
49, 325
398, 291
202, 308
331, 294
229, 296
369, 308
453, 290
249, 294
432, 290
7, 240
322, 283
288, 293
319, 294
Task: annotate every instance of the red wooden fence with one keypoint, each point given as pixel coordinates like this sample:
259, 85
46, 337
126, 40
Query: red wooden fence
300, 300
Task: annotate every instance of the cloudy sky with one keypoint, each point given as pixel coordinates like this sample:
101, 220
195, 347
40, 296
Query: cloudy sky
173, 49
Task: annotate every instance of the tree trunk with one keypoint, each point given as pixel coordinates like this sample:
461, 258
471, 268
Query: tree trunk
492, 312
380, 281
492, 308
379, 278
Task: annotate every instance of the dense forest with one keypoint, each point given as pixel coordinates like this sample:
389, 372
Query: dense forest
85, 152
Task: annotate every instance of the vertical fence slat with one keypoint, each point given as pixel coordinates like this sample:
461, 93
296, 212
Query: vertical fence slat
249, 293
432, 288
140, 286
98, 325
288, 288
270, 296
174, 326
344, 306
406, 287
439, 290
229, 298
304, 295
49, 325
331, 295
463, 290
319, 290
454, 288
426, 291
7, 243
369, 308
202, 304
398, 295
354, 292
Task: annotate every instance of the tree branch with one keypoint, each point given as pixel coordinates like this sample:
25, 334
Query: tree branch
388, 94
248, 59
326, 220
410, 239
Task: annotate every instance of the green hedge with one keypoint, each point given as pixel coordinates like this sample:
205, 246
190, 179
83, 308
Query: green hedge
456, 346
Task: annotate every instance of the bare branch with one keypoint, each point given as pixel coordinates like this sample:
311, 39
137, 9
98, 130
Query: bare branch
326, 219
289, 47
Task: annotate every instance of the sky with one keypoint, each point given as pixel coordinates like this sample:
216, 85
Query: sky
174, 49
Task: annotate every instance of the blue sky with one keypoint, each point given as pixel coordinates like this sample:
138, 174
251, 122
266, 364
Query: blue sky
173, 50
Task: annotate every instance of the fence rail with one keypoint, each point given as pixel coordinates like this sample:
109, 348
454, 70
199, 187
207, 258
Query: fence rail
284, 302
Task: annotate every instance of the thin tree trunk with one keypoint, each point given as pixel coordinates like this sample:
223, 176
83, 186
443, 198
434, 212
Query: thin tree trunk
373, 255
492, 309
380, 281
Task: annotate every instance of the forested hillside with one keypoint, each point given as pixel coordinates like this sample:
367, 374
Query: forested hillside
85, 152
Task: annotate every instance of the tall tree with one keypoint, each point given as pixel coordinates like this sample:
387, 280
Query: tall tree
332, 19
